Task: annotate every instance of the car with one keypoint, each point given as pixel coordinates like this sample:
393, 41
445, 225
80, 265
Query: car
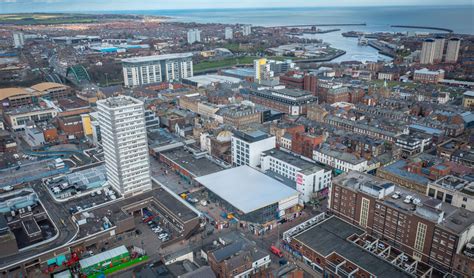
162, 236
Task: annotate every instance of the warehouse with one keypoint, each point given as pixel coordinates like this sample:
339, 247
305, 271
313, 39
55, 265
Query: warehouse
252, 196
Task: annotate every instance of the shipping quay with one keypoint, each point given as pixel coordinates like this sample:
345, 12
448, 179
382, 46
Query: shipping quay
382, 49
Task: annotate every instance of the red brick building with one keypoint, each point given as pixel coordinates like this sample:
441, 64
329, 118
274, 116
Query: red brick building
305, 143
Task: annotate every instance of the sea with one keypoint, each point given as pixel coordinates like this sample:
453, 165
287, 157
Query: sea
460, 19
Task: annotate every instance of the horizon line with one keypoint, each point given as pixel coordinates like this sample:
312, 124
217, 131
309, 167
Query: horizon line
234, 8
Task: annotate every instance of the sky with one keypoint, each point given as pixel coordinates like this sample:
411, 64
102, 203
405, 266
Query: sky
10, 6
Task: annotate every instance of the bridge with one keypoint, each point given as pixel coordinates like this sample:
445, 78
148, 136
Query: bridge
78, 74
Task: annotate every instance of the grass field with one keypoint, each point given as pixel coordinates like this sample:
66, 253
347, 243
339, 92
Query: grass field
55, 18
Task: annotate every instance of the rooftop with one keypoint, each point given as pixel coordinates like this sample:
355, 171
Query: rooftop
292, 159
195, 162
246, 189
469, 94
45, 86
331, 236
251, 136
119, 101
205, 80
157, 58
407, 201
347, 157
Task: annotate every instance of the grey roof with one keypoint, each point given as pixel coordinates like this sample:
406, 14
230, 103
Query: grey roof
157, 57
246, 188
469, 93
228, 251
331, 236
292, 159
202, 272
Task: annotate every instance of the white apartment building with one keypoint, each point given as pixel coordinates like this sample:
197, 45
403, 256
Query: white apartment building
194, 35
309, 178
18, 40
124, 139
342, 161
228, 33
246, 29
427, 51
452, 50
139, 71
246, 147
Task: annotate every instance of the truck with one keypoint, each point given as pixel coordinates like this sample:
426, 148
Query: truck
277, 252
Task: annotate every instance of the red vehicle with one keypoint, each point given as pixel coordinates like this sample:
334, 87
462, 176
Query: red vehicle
276, 251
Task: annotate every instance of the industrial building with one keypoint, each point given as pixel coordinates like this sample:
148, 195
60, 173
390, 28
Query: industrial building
139, 71
290, 101
210, 79
124, 139
252, 196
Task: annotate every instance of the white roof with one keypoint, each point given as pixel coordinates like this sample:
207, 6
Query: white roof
246, 189
157, 57
104, 256
204, 80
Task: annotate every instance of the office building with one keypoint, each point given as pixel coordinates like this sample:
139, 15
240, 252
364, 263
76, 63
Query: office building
438, 49
427, 229
310, 179
17, 118
452, 50
228, 33
194, 35
267, 69
428, 76
427, 51
124, 139
139, 71
247, 147
246, 29
290, 101
341, 160
18, 40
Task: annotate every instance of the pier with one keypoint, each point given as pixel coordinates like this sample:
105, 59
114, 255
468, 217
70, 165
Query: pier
320, 25
423, 27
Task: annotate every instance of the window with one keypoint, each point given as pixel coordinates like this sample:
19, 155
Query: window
431, 192
448, 199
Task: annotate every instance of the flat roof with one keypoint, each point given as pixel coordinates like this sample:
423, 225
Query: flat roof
197, 165
204, 80
331, 236
48, 86
290, 159
157, 57
119, 101
246, 189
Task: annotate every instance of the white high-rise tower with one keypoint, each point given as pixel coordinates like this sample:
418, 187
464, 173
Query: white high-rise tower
124, 139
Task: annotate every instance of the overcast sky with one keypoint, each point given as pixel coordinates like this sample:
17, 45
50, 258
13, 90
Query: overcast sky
8, 6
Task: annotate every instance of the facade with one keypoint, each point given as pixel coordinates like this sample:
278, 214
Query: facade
139, 71
228, 33
439, 49
424, 228
246, 147
18, 117
427, 51
452, 50
240, 116
428, 76
468, 99
124, 139
194, 35
340, 160
456, 191
310, 178
290, 101
412, 144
